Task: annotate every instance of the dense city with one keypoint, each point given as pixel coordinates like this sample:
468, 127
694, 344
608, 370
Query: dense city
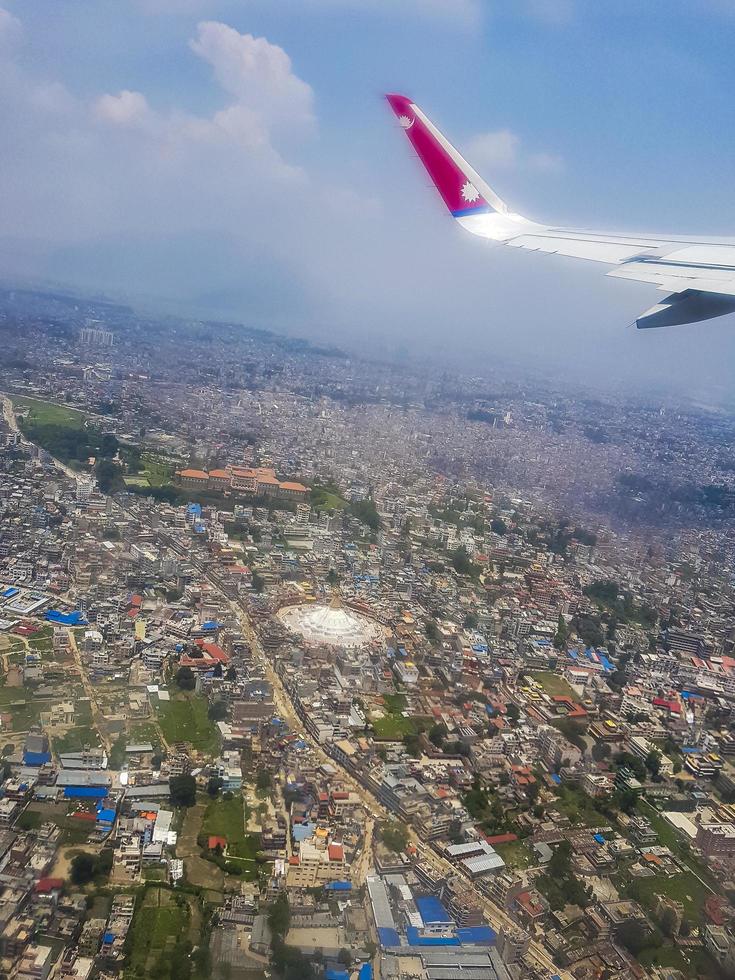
324, 667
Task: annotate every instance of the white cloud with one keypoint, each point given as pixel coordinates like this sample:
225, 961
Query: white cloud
257, 73
125, 109
504, 150
499, 149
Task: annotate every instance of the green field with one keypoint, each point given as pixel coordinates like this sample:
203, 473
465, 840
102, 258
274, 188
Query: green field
579, 808
76, 739
226, 818
684, 887
184, 719
155, 473
516, 854
48, 413
393, 727
395, 703
73, 830
62, 431
326, 498
553, 684
160, 923
24, 710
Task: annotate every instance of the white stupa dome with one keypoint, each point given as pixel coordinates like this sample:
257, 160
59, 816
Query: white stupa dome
330, 624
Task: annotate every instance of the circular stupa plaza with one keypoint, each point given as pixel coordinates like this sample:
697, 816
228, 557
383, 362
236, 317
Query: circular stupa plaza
330, 624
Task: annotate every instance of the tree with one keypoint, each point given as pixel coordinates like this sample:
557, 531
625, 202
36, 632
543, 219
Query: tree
685, 928
217, 672
600, 751
394, 835
332, 578
437, 734
109, 475
668, 922
532, 791
562, 633
628, 800
231, 674
345, 957
560, 860
279, 916
462, 562
82, 868
263, 781
653, 762
258, 583
432, 631
498, 526
186, 679
512, 711
108, 445
214, 785
217, 711
471, 621
8, 748
183, 790
633, 935
366, 511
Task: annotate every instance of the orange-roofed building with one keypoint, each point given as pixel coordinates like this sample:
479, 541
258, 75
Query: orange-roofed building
220, 479
212, 654
292, 491
196, 479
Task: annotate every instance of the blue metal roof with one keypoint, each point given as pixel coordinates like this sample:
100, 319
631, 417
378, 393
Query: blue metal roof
388, 937
414, 939
432, 910
86, 792
75, 618
339, 886
477, 936
366, 972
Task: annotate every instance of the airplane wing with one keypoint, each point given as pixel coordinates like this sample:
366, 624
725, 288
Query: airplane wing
698, 272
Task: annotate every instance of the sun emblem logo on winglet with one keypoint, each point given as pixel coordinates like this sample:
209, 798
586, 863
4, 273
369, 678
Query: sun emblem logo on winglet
470, 193
406, 121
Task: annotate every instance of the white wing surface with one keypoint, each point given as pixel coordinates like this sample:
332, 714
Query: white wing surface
698, 272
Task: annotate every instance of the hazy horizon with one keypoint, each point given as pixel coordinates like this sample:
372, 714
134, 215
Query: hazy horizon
227, 159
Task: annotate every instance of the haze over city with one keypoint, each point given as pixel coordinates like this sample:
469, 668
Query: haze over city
236, 159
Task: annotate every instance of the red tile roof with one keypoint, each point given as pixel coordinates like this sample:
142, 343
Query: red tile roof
45, 885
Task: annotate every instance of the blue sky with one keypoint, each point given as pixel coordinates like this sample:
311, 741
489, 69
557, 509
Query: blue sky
236, 156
